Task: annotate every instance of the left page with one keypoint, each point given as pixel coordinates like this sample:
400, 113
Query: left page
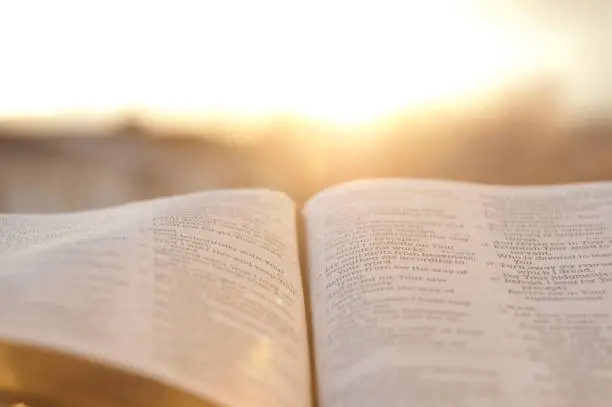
202, 292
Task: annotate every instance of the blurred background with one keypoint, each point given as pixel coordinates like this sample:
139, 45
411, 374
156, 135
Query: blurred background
111, 101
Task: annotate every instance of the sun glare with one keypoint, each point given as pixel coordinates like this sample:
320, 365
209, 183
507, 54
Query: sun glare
337, 61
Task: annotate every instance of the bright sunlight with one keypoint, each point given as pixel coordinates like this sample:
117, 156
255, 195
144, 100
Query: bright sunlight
338, 61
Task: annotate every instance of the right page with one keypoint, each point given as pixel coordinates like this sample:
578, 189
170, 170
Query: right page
438, 293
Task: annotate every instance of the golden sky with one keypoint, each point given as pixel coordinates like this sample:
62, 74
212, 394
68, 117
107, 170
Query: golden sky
342, 61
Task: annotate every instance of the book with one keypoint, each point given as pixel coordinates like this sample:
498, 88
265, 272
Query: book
382, 292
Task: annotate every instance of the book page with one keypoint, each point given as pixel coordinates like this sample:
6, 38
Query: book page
201, 291
433, 293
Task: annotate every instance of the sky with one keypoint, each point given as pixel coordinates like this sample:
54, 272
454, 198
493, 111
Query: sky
342, 61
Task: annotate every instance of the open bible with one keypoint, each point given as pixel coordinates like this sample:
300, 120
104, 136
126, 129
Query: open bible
376, 293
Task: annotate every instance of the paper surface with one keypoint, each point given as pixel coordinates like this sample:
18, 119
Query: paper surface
200, 291
432, 293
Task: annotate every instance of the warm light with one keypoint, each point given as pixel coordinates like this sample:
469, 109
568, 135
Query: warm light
341, 61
